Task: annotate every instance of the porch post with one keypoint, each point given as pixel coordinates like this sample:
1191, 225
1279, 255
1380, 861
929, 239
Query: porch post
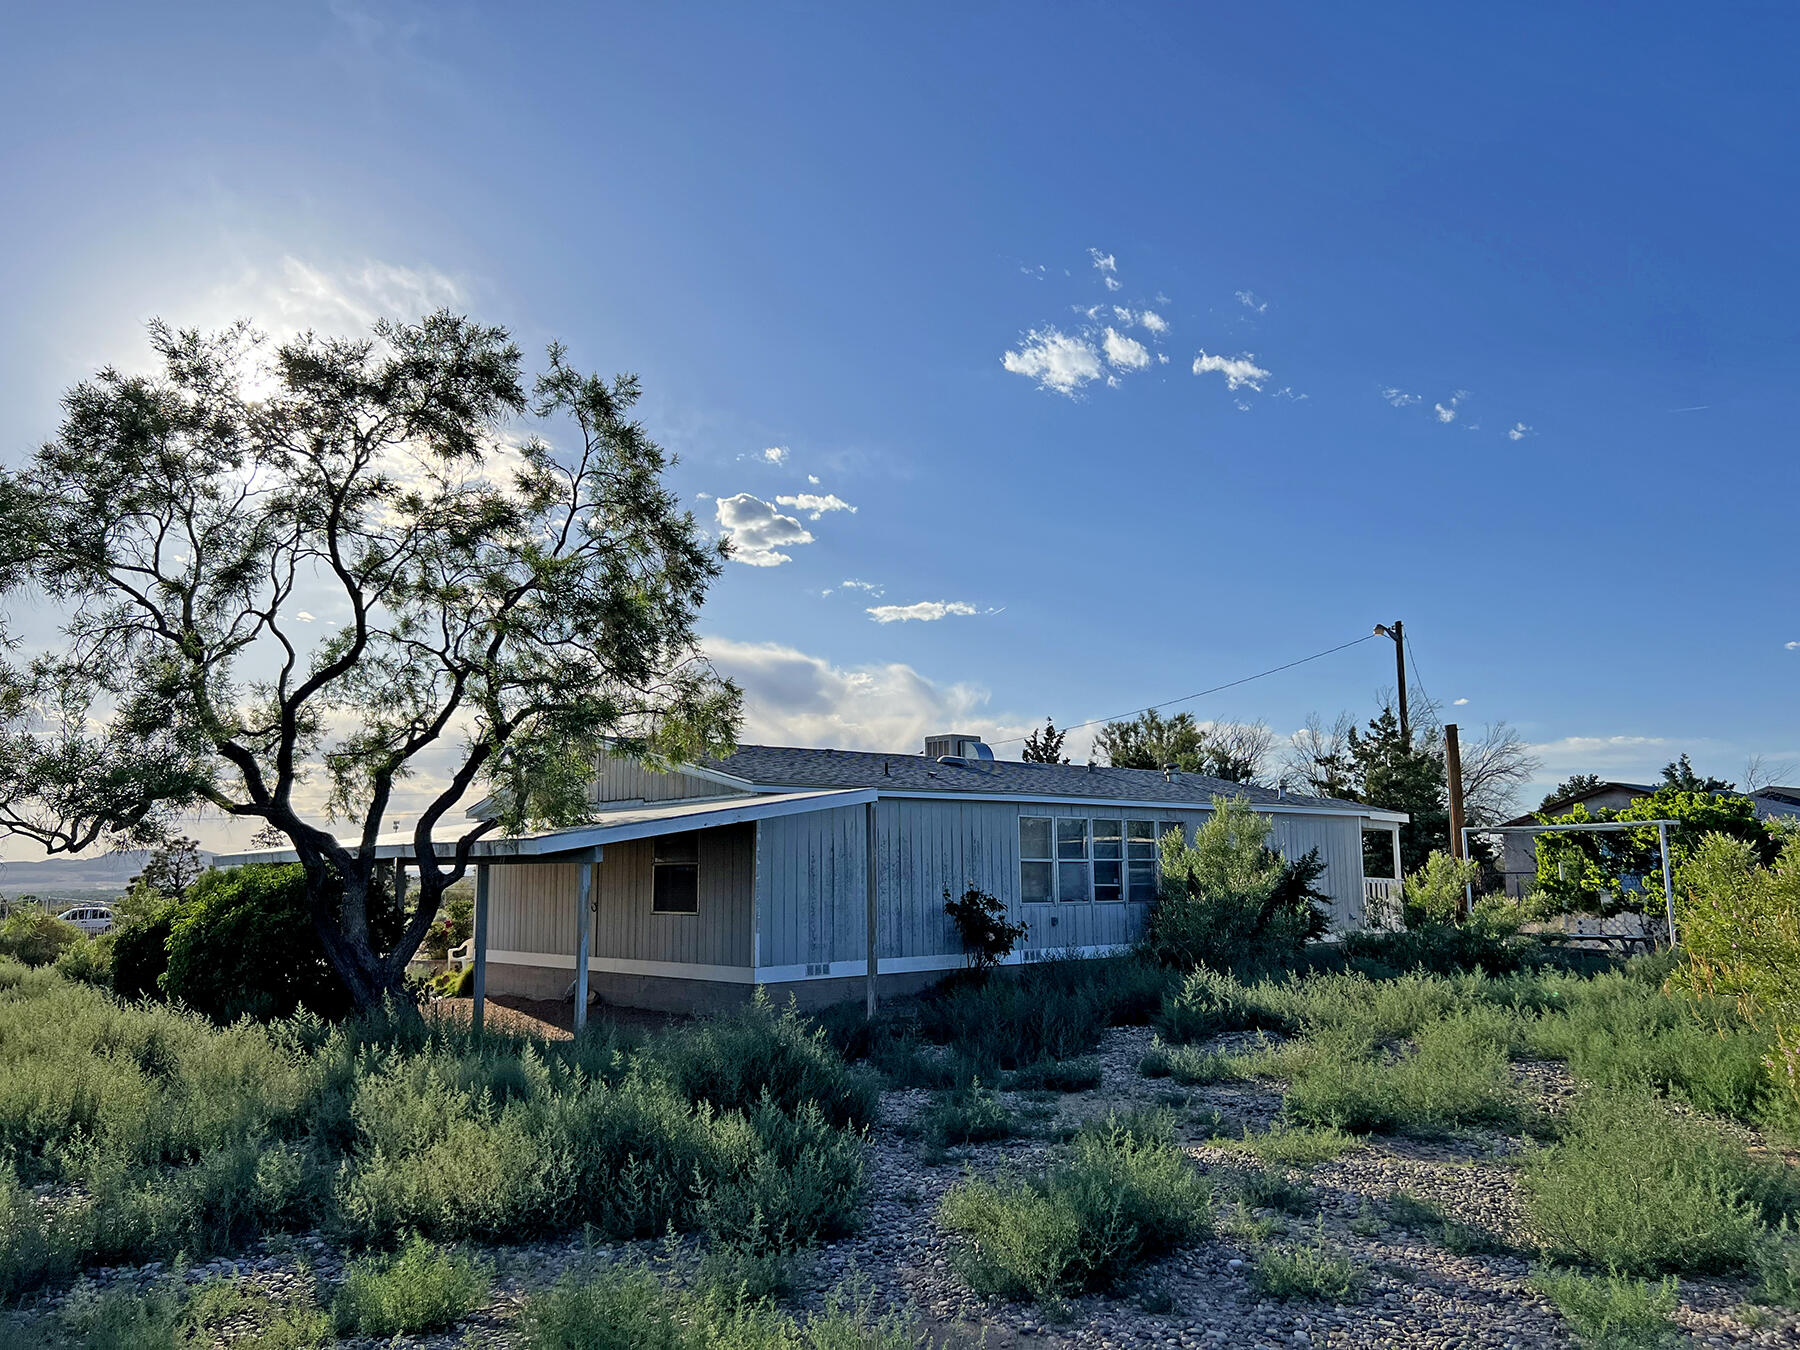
481, 942
400, 885
584, 891
1399, 870
869, 849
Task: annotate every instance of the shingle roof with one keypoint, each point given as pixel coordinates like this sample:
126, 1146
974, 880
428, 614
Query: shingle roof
781, 766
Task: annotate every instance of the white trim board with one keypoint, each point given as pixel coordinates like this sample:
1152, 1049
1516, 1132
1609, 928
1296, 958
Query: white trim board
893, 965
1261, 808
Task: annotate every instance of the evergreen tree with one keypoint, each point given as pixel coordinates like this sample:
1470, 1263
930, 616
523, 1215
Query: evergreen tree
1390, 771
1046, 746
1680, 774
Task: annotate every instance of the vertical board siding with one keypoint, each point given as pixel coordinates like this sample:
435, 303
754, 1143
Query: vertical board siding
812, 888
532, 906
1339, 841
625, 780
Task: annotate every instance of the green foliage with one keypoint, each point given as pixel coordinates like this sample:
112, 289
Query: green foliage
966, 1115
1046, 746
1437, 891
1740, 927
735, 1060
1188, 1065
1308, 1270
1428, 1219
35, 937
1389, 770
88, 961
1277, 1188
1122, 1193
140, 951
420, 1288
1632, 1188
1232, 751
1055, 1075
625, 1308
1228, 898
1288, 1145
1441, 948
1612, 1311
454, 924
1210, 1003
1618, 870
125, 1318
988, 937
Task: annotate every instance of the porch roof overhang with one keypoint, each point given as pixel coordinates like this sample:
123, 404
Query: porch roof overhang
641, 821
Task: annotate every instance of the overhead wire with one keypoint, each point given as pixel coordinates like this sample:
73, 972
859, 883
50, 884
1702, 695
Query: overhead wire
1217, 688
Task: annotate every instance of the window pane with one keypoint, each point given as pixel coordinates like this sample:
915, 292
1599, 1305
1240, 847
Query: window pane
1034, 882
1141, 829
1072, 880
1143, 880
678, 848
1168, 825
1034, 837
1142, 849
1107, 879
676, 889
1071, 838
1106, 838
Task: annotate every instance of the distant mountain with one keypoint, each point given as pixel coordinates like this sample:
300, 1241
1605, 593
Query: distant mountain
111, 873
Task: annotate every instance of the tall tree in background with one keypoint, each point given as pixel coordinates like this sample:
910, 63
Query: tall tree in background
506, 609
1574, 785
1403, 774
1234, 751
1679, 774
1046, 746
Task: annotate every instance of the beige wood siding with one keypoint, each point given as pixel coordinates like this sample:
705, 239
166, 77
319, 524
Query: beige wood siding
532, 906
624, 780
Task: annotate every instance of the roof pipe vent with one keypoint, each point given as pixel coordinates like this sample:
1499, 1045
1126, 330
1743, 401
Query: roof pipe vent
1171, 773
1090, 766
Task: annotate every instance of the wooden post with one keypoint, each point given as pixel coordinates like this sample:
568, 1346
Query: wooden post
1453, 762
400, 885
481, 941
1399, 636
584, 891
873, 924
1399, 866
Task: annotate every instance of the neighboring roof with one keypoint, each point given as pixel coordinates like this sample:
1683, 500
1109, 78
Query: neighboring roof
640, 821
1777, 801
1564, 803
777, 767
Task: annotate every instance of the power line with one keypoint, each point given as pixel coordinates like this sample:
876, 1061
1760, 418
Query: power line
1217, 688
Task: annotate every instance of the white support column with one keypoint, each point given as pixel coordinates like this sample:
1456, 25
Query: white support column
481, 944
874, 917
1662, 836
584, 899
1399, 869
400, 885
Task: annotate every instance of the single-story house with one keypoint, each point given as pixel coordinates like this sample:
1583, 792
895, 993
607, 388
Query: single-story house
823, 873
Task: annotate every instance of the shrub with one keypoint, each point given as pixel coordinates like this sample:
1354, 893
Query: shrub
988, 937
1637, 1190
1210, 1003
970, 1115
1055, 1075
735, 1061
1050, 1010
421, 1288
1308, 1270
125, 1318
1612, 1311
88, 962
1436, 892
1456, 1075
1277, 1189
140, 953
454, 923
1288, 1145
1122, 1192
1229, 898
1428, 1219
35, 937
625, 1308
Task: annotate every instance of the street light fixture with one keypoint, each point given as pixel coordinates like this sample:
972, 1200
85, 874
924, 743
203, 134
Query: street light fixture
1397, 631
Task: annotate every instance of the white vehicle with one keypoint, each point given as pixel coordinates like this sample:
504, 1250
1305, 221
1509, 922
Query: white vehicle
90, 919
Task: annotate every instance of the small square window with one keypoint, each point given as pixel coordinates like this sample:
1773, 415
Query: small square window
1034, 837
675, 875
1035, 882
1072, 881
1071, 838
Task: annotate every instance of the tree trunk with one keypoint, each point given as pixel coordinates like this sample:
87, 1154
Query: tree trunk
367, 977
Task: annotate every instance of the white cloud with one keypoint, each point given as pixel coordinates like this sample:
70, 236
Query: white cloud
1400, 398
1112, 283
814, 505
1105, 262
314, 297
794, 698
758, 531
1445, 414
925, 611
852, 584
776, 454
1162, 358
1240, 372
813, 479
1461, 703
1153, 321
1055, 360
1249, 301
304, 617
1793, 646
1124, 352
1519, 432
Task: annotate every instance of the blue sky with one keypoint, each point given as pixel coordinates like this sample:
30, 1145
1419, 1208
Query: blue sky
1481, 319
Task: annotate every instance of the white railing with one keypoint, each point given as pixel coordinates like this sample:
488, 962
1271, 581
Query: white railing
1381, 902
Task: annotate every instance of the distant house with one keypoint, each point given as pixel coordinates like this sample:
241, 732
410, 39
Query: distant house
1518, 852
708, 880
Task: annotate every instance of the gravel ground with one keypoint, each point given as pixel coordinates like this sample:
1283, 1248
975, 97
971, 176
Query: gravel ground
1416, 1293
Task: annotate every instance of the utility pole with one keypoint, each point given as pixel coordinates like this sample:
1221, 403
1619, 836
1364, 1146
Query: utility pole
1458, 844
1397, 631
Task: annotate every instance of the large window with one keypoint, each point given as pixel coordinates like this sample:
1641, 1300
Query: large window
1106, 859
675, 875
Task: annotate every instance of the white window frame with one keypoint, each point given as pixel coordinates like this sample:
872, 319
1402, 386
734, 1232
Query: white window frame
1048, 861
693, 913
1158, 827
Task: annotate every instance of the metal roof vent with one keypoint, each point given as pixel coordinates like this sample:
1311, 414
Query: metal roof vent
953, 746
1171, 773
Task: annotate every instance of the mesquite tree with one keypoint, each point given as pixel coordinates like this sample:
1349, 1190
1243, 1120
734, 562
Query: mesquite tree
508, 605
